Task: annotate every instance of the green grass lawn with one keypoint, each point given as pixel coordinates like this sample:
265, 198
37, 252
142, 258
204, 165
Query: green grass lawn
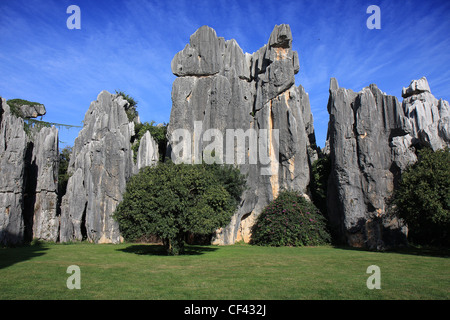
238, 272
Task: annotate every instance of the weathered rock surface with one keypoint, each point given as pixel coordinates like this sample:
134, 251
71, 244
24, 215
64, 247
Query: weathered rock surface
28, 180
429, 117
148, 154
371, 140
222, 93
13, 143
32, 111
100, 165
42, 179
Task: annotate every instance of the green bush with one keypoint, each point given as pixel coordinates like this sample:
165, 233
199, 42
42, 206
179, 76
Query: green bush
171, 201
290, 220
63, 175
320, 172
422, 198
130, 109
157, 132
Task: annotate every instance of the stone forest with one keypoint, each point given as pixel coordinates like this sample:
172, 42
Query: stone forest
372, 138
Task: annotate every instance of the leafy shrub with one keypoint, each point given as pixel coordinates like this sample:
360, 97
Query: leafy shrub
15, 104
63, 174
171, 201
157, 132
320, 172
132, 105
290, 220
422, 198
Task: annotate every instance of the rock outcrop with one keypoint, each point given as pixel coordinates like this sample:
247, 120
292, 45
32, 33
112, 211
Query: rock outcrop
429, 117
28, 179
42, 180
148, 153
238, 108
13, 143
100, 165
371, 140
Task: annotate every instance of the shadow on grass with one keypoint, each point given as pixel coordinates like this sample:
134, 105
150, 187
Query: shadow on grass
16, 254
159, 250
411, 250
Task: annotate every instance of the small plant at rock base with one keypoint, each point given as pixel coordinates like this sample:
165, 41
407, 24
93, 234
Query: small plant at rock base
290, 220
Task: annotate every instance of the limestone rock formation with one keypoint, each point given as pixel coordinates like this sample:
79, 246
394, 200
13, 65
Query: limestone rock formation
371, 140
32, 111
42, 180
100, 166
13, 143
429, 117
148, 154
238, 108
28, 179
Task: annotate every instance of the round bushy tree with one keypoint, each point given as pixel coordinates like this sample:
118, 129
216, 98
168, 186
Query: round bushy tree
171, 200
422, 198
290, 220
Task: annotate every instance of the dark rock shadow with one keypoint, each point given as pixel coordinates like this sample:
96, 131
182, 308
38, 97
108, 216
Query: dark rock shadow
159, 250
410, 250
10, 255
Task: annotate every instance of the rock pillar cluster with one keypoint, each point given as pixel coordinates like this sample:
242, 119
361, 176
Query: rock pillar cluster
371, 139
228, 107
28, 177
222, 89
100, 166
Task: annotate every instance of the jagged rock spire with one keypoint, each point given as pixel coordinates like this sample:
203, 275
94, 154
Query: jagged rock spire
221, 87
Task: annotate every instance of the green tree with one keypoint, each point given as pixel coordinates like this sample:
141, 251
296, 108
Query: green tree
158, 132
320, 172
170, 201
130, 109
290, 220
63, 175
422, 198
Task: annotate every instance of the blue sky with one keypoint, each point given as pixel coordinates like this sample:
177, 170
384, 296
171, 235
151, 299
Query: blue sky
128, 45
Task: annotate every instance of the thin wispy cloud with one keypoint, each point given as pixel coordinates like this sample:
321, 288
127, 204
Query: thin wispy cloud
128, 45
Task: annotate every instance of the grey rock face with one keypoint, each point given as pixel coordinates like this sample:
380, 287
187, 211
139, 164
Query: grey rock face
13, 143
371, 141
101, 164
429, 117
28, 180
148, 154
42, 175
366, 132
222, 93
32, 111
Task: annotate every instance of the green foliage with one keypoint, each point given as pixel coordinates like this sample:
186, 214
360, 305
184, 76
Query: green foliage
290, 220
320, 172
157, 132
63, 175
170, 201
15, 104
132, 105
423, 198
